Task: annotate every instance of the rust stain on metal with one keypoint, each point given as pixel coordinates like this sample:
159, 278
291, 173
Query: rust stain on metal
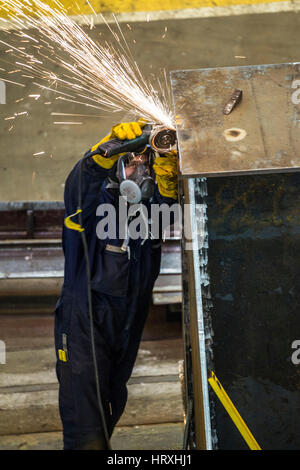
234, 134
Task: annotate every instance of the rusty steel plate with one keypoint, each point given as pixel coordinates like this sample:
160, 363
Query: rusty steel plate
261, 134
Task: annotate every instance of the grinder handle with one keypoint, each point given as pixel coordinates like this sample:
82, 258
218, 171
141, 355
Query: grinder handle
115, 146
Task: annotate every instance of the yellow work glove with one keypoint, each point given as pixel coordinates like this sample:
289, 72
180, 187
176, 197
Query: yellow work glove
166, 170
128, 130
125, 130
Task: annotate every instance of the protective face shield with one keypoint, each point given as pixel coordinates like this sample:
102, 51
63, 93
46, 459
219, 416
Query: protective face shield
136, 177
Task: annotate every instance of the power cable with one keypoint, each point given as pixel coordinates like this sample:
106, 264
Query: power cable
91, 317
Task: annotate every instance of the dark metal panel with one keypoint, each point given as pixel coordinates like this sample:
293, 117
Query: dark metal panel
260, 135
253, 262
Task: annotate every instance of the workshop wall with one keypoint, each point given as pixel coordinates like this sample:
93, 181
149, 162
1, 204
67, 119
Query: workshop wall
174, 44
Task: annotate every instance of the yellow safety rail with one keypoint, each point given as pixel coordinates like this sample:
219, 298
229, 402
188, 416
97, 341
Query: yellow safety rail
233, 412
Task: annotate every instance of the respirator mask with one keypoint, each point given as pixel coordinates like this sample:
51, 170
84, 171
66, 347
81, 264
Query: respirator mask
135, 175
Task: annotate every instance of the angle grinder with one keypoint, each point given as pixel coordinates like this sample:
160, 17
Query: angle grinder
161, 139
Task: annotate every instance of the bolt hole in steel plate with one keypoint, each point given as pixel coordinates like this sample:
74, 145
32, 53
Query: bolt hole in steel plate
259, 135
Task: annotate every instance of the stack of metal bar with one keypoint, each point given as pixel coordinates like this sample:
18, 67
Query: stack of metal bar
32, 262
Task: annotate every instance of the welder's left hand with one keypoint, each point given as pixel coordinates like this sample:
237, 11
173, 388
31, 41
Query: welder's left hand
166, 170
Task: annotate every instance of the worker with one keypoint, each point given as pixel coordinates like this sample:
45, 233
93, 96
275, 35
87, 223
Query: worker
121, 287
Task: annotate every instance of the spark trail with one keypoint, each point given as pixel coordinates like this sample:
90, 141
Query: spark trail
99, 76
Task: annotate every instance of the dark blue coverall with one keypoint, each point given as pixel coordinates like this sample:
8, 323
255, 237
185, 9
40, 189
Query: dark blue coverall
121, 297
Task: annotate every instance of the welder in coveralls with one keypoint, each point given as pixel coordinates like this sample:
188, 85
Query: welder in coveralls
121, 287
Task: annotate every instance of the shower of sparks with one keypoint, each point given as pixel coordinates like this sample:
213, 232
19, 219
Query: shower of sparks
77, 115
105, 77
10, 81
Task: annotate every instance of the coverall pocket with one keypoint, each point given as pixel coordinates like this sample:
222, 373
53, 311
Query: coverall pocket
62, 328
111, 276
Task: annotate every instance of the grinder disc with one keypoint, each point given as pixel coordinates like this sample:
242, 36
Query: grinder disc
163, 139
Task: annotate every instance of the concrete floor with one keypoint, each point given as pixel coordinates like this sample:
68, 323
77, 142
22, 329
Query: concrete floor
29, 417
167, 436
189, 43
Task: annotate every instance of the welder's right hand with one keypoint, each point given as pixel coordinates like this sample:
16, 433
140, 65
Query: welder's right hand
128, 130
125, 130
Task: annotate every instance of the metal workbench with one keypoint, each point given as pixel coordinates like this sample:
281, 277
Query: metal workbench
242, 277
